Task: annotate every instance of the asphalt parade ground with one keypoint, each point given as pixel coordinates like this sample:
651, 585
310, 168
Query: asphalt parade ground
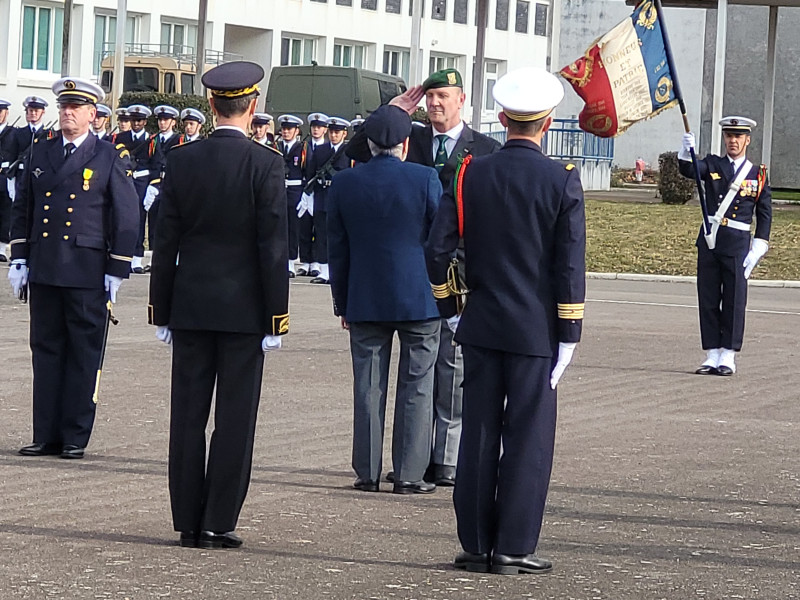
666, 484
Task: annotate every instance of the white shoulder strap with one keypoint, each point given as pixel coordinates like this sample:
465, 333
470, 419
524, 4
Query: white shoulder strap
733, 189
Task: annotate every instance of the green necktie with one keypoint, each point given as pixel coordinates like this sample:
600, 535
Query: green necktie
441, 153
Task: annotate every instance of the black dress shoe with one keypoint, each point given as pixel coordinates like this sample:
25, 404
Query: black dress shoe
444, 475
209, 539
390, 477
475, 563
3, 258
509, 564
724, 371
706, 370
413, 487
365, 485
188, 539
314, 273
72, 451
318, 280
39, 449
137, 270
301, 272
146, 269
292, 275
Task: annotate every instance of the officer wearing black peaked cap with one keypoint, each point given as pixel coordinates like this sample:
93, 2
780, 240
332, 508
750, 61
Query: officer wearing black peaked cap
224, 208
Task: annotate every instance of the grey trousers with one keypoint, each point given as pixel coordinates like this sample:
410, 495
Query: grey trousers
371, 349
447, 399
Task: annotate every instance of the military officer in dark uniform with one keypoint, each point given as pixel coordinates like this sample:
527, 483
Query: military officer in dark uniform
24, 136
318, 127
160, 144
223, 307
520, 324
6, 143
442, 144
260, 127
137, 142
292, 149
100, 122
736, 192
73, 232
193, 120
123, 123
327, 159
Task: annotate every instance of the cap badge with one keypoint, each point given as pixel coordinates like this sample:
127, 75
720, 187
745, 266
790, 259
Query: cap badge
451, 78
734, 121
69, 84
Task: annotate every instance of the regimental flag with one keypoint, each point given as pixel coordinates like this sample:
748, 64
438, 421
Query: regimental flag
624, 76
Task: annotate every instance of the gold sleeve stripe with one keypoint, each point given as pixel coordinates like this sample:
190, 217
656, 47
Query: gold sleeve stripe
280, 324
17, 241
440, 291
155, 181
571, 311
122, 258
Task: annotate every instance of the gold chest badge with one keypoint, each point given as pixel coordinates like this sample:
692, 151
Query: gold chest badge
87, 175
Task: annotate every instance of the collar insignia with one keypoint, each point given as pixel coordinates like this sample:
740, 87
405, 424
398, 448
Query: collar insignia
37, 172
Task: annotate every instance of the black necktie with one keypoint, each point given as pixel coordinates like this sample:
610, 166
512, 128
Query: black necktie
69, 148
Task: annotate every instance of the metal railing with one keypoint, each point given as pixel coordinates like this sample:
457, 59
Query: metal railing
184, 56
565, 141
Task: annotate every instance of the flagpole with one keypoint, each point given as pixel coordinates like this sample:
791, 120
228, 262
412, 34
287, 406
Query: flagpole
682, 105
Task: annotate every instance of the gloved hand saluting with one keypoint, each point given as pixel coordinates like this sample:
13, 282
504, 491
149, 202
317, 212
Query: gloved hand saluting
565, 351
18, 275
758, 248
686, 147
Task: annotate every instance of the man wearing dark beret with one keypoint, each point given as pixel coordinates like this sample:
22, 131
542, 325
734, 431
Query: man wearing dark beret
442, 144
379, 216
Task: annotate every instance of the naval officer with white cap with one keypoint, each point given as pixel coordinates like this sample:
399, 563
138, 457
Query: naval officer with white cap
520, 324
736, 191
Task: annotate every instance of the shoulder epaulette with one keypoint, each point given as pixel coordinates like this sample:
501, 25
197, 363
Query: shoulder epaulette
569, 167
275, 150
119, 146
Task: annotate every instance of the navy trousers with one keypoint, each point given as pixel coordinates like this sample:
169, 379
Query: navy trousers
293, 195
721, 298
67, 326
499, 500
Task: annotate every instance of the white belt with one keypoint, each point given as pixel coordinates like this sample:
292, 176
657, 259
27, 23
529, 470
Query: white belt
138, 174
292, 182
726, 222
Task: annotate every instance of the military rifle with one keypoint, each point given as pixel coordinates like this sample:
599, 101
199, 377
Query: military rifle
326, 169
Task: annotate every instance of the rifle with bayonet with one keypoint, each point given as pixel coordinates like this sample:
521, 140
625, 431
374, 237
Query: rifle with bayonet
325, 170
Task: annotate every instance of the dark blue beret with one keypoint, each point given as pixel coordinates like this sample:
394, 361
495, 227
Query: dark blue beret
388, 126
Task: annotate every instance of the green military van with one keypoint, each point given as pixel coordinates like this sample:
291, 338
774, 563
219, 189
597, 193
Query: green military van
345, 92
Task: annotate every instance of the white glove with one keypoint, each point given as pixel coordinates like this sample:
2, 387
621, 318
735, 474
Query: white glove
270, 342
12, 188
565, 351
452, 322
302, 206
686, 147
164, 334
758, 249
149, 197
309, 204
112, 283
18, 275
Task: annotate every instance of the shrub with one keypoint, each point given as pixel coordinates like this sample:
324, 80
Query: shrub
179, 101
673, 187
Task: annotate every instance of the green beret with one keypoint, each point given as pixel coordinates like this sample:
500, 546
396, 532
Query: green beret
443, 78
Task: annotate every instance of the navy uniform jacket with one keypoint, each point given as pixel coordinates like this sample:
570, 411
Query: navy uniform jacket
524, 246
138, 149
293, 160
717, 174
223, 208
77, 220
379, 216
157, 152
420, 149
8, 153
321, 156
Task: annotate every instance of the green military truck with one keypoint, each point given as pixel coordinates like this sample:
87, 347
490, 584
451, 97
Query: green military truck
345, 92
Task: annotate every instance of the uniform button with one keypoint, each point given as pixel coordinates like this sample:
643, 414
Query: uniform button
734, 215
66, 237
48, 194
69, 223
72, 196
45, 221
45, 234
69, 210
47, 207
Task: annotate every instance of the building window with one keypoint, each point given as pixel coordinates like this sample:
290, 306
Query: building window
178, 38
323, 1
42, 35
490, 78
369, 4
394, 6
438, 62
348, 55
298, 51
439, 10
344, 2
395, 62
521, 23
105, 37
411, 7
460, 10
540, 26
501, 15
